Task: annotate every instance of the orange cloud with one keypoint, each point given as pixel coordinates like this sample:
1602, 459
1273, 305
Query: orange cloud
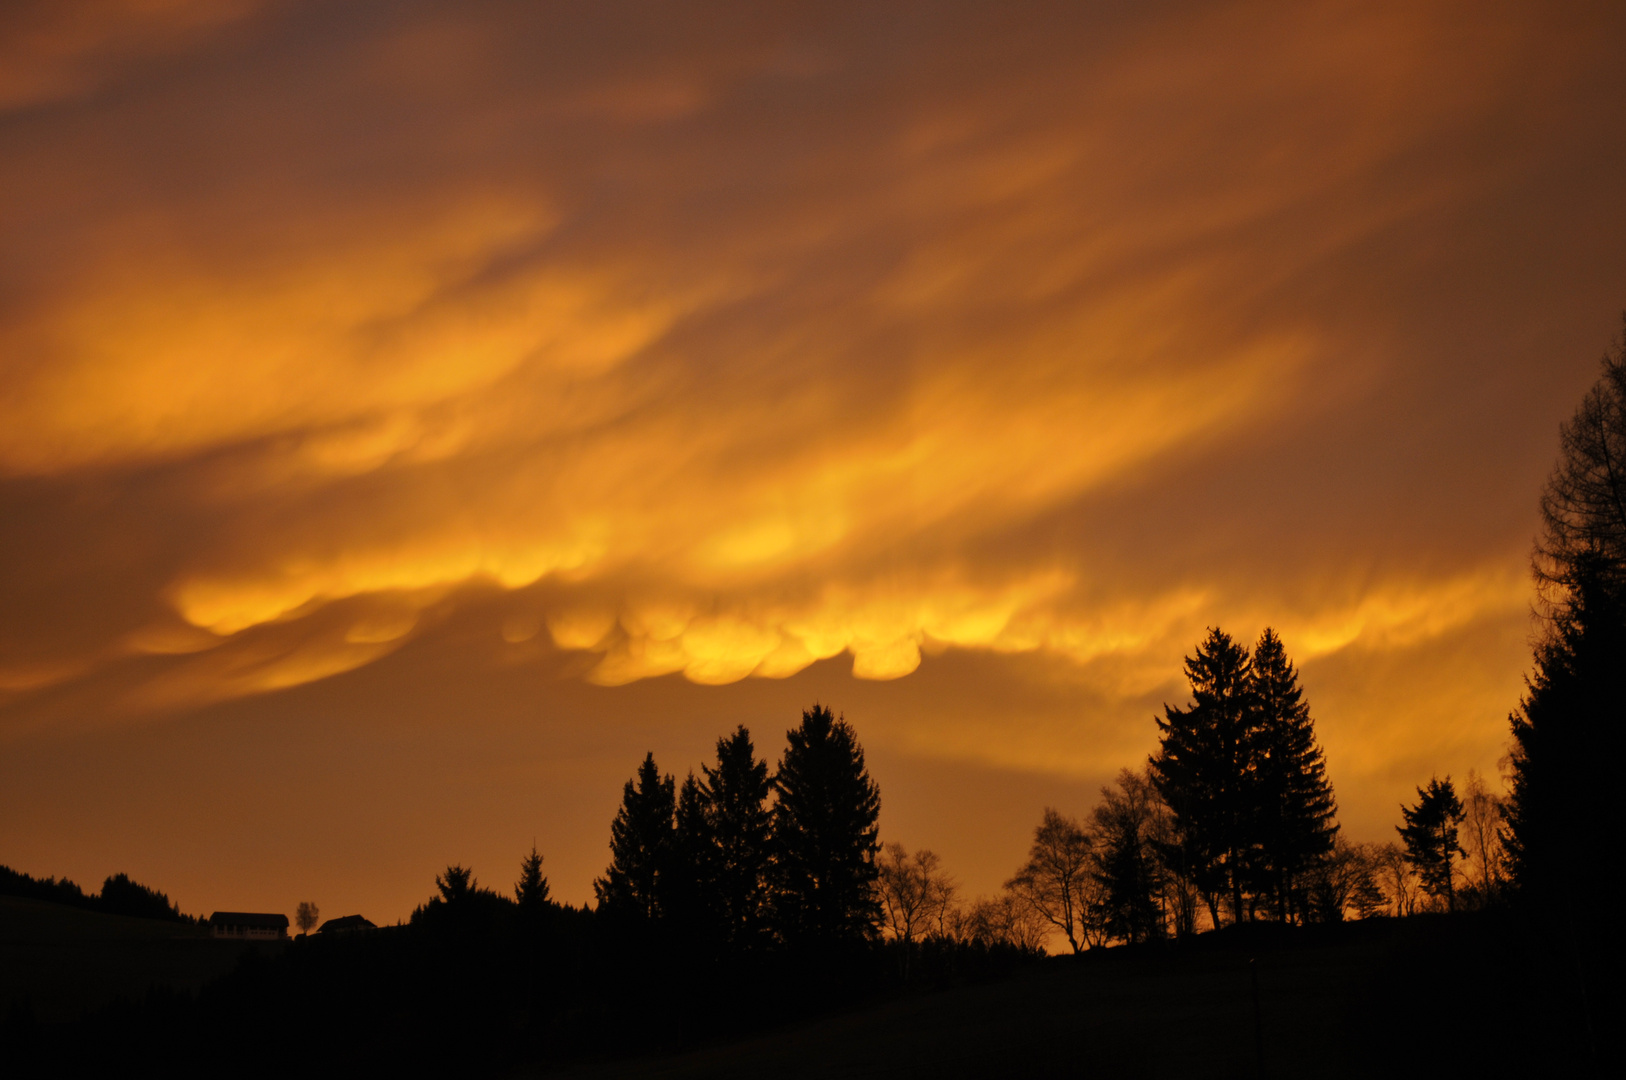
713, 357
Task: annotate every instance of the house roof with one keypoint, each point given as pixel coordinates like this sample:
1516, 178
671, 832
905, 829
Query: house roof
252, 919
346, 922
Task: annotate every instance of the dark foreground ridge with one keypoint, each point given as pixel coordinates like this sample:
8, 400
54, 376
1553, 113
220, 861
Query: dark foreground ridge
1464, 994
1442, 995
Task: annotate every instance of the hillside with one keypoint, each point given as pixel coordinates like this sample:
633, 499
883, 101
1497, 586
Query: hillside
1357, 1000
61, 960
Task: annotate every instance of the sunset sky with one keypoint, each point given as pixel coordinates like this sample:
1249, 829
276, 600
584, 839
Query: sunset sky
411, 413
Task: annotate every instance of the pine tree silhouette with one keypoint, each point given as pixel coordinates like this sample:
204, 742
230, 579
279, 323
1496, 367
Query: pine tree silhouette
1296, 825
690, 887
531, 892
825, 836
640, 847
1568, 740
736, 797
1430, 836
1204, 769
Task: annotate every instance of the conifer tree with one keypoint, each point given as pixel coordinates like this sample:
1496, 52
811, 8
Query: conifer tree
1430, 836
1567, 748
1568, 734
1296, 811
1204, 769
825, 836
640, 846
689, 892
531, 892
741, 828
1125, 865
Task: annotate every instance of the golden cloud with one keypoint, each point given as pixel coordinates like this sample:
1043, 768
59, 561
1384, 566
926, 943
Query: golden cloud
708, 399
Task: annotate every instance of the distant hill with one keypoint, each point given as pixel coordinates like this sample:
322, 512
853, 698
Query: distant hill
119, 895
57, 959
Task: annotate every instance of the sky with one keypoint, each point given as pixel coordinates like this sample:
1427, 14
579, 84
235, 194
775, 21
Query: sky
412, 413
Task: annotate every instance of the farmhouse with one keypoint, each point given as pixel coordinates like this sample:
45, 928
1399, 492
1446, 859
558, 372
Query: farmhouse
346, 924
249, 925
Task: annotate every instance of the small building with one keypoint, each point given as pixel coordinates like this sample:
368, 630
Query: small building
248, 926
346, 924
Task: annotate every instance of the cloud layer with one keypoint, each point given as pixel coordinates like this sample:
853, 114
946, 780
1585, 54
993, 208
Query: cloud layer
720, 342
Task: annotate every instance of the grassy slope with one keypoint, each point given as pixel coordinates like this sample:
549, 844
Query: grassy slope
1374, 1000
61, 960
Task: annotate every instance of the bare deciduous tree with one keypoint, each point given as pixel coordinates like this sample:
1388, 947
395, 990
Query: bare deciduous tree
1397, 878
1343, 879
1126, 868
1006, 919
916, 895
1482, 828
1056, 881
306, 916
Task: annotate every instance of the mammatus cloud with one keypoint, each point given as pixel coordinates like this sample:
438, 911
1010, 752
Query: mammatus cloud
725, 360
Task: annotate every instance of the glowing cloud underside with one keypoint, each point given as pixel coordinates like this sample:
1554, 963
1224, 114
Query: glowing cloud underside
928, 372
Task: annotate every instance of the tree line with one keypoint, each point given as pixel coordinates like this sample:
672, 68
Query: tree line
746, 860
1234, 816
741, 859
119, 895
1234, 820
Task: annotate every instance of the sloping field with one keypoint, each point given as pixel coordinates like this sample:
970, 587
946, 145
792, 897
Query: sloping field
1379, 1000
57, 961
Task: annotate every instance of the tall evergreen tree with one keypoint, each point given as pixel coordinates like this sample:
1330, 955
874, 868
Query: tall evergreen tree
531, 892
1296, 825
1430, 836
640, 846
825, 836
1567, 749
1205, 769
1568, 734
741, 830
688, 892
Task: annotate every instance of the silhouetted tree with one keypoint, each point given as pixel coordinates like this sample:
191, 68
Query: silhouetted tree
1335, 880
1366, 897
1205, 769
462, 902
1583, 505
1006, 919
456, 884
1398, 880
1568, 737
1124, 862
640, 846
741, 830
531, 891
1055, 882
1295, 803
1430, 836
915, 896
63, 891
121, 896
1181, 898
306, 916
825, 836
689, 893
1482, 826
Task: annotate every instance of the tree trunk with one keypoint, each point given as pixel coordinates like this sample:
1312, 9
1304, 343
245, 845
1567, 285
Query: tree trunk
1236, 889
1213, 908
